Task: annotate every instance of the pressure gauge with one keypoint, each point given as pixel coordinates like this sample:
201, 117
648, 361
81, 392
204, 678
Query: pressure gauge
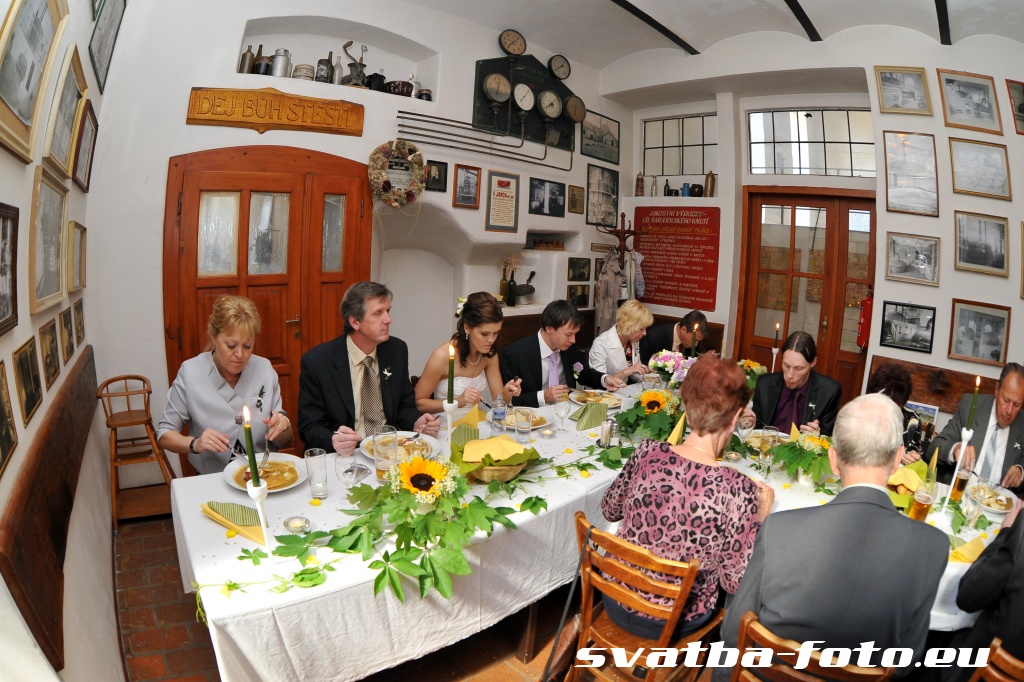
497, 88
512, 42
549, 104
559, 67
523, 96
575, 109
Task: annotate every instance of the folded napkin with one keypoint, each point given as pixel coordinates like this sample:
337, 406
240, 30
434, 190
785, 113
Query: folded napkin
474, 417
969, 552
794, 433
238, 517
499, 448
909, 476
677, 432
593, 415
463, 433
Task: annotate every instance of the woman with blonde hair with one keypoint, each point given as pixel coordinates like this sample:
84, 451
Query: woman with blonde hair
210, 390
617, 350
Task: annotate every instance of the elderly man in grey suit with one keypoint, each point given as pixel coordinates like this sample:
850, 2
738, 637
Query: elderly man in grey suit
998, 431
854, 570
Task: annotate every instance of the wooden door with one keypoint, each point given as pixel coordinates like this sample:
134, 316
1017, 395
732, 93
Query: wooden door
808, 260
285, 227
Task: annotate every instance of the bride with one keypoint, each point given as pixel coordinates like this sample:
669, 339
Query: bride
476, 362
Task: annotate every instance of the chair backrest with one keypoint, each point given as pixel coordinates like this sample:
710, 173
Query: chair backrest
1001, 667
753, 635
606, 557
124, 393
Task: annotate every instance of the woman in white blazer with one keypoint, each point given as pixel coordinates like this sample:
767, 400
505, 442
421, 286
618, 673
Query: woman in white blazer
617, 351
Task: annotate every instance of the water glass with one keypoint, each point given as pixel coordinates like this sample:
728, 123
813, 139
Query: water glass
385, 450
651, 382
769, 439
524, 424
316, 470
562, 409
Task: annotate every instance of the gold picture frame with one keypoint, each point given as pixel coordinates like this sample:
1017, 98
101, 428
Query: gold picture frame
981, 243
27, 380
969, 101
76, 255
67, 335
980, 168
979, 332
66, 115
8, 432
903, 90
46, 241
48, 348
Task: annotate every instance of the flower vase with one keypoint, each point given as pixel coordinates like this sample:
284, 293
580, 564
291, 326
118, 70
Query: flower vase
425, 507
804, 477
665, 379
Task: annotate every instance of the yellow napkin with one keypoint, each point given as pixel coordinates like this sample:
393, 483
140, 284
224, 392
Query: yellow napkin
253, 532
474, 417
910, 476
906, 476
794, 434
969, 552
499, 448
677, 432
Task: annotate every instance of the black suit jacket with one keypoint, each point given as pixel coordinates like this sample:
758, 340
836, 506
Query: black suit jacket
521, 358
950, 435
822, 392
325, 390
661, 337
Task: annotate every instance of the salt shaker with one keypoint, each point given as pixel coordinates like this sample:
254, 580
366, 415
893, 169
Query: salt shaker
606, 433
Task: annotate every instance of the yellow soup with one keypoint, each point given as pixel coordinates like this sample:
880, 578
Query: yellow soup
276, 474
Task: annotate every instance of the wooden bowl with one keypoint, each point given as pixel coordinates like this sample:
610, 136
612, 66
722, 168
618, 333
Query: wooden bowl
501, 473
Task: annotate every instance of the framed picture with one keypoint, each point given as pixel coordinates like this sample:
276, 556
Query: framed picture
78, 307
51, 357
65, 115
912, 258
602, 196
8, 434
26, 377
85, 145
76, 255
969, 101
980, 168
104, 35
502, 202
926, 414
95, 7
579, 269
28, 41
547, 198
908, 326
982, 242
8, 268
578, 295
466, 193
437, 176
599, 137
979, 332
577, 199
46, 242
902, 90
1016, 89
67, 336
911, 183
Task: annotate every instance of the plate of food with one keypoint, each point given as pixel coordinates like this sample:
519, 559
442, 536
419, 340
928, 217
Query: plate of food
410, 444
282, 472
995, 499
581, 397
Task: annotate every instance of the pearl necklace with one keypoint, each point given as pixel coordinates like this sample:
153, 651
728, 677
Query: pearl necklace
477, 360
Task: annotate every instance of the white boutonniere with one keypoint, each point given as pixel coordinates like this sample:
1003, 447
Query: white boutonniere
259, 398
813, 406
1016, 446
387, 374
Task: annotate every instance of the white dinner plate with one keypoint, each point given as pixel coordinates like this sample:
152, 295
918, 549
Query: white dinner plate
241, 463
537, 423
613, 401
435, 446
1010, 497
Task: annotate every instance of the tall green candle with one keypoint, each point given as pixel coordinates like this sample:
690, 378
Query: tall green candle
974, 403
693, 340
451, 373
776, 335
250, 449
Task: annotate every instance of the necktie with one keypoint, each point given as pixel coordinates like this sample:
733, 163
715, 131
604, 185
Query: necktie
990, 454
553, 369
370, 401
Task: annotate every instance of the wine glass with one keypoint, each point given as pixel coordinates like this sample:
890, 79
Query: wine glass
769, 439
562, 409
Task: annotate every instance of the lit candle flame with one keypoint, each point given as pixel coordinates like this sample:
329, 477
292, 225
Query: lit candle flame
245, 413
977, 382
776, 326
451, 350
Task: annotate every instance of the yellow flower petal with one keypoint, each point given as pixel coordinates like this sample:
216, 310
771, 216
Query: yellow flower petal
786, 485
314, 502
931, 523
585, 474
420, 475
592, 435
231, 533
984, 536
567, 451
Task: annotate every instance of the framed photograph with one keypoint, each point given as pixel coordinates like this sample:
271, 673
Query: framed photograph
78, 307
902, 90
67, 336
26, 377
577, 199
1016, 89
502, 202
65, 115
28, 41
76, 255
578, 295
982, 242
466, 193
979, 332
51, 357
46, 242
599, 137
579, 269
911, 183
437, 176
926, 414
969, 101
908, 326
980, 168
85, 145
104, 35
95, 7
912, 258
8, 268
8, 434
547, 198
602, 196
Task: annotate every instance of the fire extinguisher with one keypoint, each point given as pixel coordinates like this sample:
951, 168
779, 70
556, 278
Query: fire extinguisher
864, 321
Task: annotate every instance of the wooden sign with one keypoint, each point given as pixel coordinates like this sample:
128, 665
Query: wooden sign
269, 109
680, 249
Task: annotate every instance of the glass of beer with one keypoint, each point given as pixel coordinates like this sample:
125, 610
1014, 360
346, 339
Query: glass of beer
959, 485
923, 499
385, 450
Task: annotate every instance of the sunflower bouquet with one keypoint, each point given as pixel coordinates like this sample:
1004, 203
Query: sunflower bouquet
654, 415
753, 370
808, 453
671, 366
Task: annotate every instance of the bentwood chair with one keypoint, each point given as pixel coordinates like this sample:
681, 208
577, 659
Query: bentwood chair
1002, 667
753, 635
125, 401
615, 568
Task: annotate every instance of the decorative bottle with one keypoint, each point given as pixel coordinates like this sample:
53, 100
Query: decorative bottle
498, 416
339, 73
664, 192
248, 59
503, 284
324, 69
510, 290
262, 64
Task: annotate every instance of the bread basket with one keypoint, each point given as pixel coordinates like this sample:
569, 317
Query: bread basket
497, 473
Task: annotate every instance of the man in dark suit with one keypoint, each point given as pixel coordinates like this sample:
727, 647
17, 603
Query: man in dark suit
678, 336
343, 395
854, 570
998, 431
549, 363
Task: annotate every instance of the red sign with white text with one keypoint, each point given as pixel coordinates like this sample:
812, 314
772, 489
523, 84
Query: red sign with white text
680, 249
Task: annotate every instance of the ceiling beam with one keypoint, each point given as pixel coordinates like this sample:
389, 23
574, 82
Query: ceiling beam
657, 25
942, 14
805, 21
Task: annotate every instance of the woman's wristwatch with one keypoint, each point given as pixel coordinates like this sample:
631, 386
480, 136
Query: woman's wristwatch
192, 446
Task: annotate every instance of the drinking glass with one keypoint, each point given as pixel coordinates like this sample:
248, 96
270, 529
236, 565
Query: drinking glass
769, 439
651, 382
562, 409
316, 470
924, 496
524, 424
385, 450
956, 493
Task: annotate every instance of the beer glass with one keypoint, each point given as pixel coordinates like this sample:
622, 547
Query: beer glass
959, 484
385, 450
923, 499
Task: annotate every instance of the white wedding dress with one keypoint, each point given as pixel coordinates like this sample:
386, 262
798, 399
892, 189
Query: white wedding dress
479, 382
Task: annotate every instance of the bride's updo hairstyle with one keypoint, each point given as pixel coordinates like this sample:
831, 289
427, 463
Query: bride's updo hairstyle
479, 308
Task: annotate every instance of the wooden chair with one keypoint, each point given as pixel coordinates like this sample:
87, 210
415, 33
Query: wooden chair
125, 401
1002, 667
606, 556
753, 635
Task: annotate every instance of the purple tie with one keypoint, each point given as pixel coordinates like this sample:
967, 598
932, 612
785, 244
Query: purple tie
553, 369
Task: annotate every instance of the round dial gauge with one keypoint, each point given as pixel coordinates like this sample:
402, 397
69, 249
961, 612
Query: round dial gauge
497, 88
523, 96
575, 109
512, 42
559, 67
549, 104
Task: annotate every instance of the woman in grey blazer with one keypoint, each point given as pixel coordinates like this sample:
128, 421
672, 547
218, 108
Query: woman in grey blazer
211, 389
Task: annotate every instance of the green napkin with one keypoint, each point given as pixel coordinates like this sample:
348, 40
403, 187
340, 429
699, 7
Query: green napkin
920, 467
593, 415
463, 433
956, 542
238, 514
578, 413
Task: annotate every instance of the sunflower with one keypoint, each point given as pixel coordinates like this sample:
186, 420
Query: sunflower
420, 475
653, 401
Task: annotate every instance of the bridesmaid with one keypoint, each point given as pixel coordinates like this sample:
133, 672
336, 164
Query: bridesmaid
476, 362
